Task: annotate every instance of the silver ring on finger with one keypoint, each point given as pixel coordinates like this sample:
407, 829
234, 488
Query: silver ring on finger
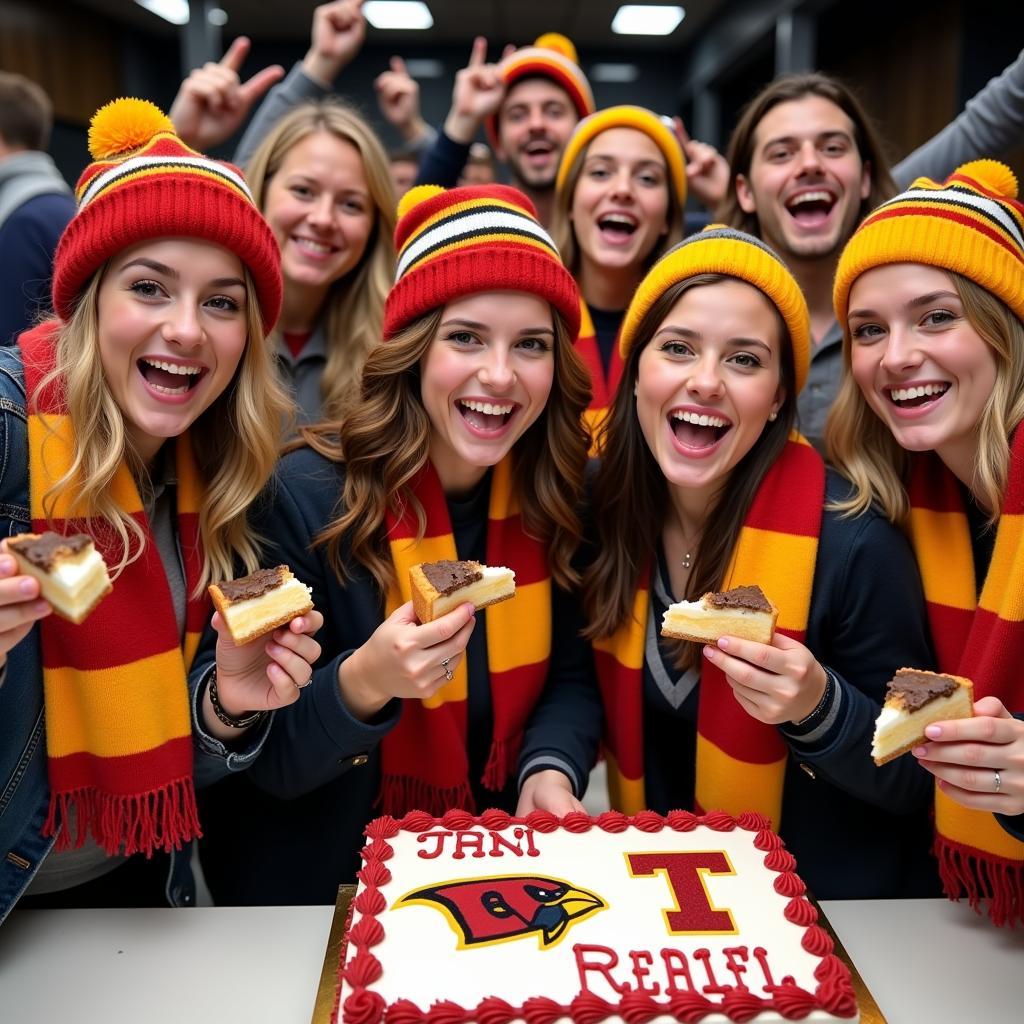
997, 780
302, 686
446, 665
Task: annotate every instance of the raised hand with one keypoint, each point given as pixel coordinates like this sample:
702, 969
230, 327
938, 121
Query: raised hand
20, 605
774, 683
213, 102
405, 659
979, 761
266, 674
479, 90
398, 96
707, 171
339, 31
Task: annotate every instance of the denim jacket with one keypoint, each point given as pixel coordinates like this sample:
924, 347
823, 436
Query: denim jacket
24, 789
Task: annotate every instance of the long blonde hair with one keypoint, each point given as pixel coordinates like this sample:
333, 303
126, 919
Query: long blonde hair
384, 442
235, 442
353, 312
564, 234
863, 449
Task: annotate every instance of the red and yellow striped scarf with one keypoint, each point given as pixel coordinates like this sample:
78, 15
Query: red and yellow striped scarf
118, 725
425, 765
603, 386
741, 762
982, 639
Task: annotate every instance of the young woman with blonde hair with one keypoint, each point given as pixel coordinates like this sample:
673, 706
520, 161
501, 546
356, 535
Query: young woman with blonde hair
145, 416
927, 425
619, 199
703, 486
467, 443
322, 180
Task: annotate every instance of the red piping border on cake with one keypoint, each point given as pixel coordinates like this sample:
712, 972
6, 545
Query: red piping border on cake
833, 994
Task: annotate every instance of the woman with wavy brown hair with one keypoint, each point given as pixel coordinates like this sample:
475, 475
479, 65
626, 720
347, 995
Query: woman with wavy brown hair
704, 486
467, 443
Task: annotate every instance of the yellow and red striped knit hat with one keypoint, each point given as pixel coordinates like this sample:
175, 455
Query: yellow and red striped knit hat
552, 56
146, 183
970, 224
478, 238
720, 249
627, 116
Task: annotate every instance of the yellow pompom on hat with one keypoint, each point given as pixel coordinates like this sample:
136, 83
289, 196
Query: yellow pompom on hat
719, 249
971, 224
145, 183
552, 56
627, 116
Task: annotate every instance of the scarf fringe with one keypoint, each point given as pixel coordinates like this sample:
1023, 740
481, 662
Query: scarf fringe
401, 793
162, 819
501, 762
982, 876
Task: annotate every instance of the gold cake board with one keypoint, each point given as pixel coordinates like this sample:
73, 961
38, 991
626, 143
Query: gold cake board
325, 993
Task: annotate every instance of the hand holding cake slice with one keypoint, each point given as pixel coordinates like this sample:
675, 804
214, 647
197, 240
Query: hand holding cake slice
260, 602
438, 587
742, 611
71, 572
914, 699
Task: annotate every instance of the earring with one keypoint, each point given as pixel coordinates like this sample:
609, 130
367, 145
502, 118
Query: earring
773, 416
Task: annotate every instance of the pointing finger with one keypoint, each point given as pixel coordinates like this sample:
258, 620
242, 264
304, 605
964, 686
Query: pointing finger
236, 53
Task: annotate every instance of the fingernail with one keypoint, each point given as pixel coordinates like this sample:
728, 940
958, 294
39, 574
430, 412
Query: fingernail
919, 751
723, 642
41, 607
7, 566
933, 732
27, 586
710, 653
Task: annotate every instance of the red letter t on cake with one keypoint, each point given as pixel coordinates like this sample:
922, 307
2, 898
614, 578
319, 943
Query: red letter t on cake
694, 913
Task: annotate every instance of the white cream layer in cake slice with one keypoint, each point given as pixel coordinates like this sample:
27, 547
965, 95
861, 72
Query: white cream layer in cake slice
72, 574
250, 615
742, 611
496, 584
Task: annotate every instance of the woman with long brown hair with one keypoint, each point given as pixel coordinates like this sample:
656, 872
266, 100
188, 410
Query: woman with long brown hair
927, 425
619, 200
467, 443
703, 486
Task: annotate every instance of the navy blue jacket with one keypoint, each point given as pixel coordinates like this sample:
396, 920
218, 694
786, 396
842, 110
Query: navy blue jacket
289, 830
857, 831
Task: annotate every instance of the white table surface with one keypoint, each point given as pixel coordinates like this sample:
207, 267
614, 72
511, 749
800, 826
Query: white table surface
925, 961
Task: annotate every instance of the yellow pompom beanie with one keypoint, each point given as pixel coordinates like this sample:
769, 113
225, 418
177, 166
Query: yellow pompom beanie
970, 224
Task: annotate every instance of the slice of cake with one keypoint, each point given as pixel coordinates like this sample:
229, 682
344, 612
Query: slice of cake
743, 611
71, 572
540, 919
914, 699
438, 587
255, 604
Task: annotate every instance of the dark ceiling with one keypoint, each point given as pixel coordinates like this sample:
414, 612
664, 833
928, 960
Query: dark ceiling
586, 22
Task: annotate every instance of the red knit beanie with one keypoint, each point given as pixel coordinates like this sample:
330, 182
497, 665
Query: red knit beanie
146, 184
480, 238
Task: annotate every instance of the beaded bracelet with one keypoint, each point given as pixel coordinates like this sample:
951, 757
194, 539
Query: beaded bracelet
242, 722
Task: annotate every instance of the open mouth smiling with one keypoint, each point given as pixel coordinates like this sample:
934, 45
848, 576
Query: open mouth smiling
698, 430
170, 378
617, 226
486, 416
811, 208
914, 396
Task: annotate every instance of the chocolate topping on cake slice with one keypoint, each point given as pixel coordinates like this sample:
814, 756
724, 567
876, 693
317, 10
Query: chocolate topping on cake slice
254, 585
448, 576
46, 550
748, 598
912, 690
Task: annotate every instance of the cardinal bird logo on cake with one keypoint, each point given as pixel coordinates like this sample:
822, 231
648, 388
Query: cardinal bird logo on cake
499, 908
